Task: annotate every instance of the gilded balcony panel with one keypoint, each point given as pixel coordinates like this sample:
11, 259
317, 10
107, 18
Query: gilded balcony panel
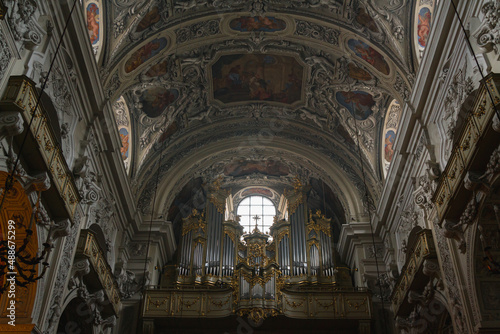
209, 303
476, 126
336, 304
89, 248
412, 276
21, 95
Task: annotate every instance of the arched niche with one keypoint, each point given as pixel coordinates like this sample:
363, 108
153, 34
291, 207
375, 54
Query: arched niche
77, 317
484, 260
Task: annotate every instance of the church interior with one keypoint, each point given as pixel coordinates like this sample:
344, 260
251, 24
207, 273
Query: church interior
249, 166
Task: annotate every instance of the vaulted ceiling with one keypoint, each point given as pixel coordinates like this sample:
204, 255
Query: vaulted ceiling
258, 92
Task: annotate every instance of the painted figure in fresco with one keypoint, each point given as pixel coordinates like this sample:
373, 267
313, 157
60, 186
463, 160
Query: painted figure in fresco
258, 86
143, 54
93, 22
257, 77
424, 26
358, 103
148, 20
234, 79
125, 145
370, 55
358, 73
390, 136
247, 167
162, 100
257, 23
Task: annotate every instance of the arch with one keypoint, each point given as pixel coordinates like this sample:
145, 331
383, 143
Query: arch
76, 317
332, 174
484, 258
256, 206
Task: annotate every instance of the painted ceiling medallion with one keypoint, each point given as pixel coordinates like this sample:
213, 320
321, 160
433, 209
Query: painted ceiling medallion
257, 77
370, 55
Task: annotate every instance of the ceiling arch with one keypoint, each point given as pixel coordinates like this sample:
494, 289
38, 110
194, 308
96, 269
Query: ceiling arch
306, 83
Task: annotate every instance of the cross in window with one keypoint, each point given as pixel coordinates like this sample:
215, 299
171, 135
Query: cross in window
256, 218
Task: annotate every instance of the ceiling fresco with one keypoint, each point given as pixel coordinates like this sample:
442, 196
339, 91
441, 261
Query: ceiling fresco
210, 85
257, 77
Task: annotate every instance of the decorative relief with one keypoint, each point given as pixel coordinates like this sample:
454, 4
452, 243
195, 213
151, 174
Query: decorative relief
5, 55
488, 33
316, 31
458, 90
22, 21
60, 281
197, 30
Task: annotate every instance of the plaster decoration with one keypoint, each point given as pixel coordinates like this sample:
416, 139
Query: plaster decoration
364, 23
113, 85
380, 285
60, 280
78, 270
137, 249
59, 229
316, 31
55, 313
423, 194
389, 15
493, 166
377, 250
458, 90
127, 283
59, 90
181, 6
89, 190
393, 116
331, 5
5, 55
126, 10
401, 87
11, 124
197, 30
121, 112
452, 286
488, 33
149, 21
95, 302
21, 17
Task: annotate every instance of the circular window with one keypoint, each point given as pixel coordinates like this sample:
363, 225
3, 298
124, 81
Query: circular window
256, 209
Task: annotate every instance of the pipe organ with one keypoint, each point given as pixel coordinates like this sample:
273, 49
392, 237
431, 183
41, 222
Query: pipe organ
257, 274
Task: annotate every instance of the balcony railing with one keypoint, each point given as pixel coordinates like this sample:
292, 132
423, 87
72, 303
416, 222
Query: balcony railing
89, 247
21, 95
411, 273
476, 125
